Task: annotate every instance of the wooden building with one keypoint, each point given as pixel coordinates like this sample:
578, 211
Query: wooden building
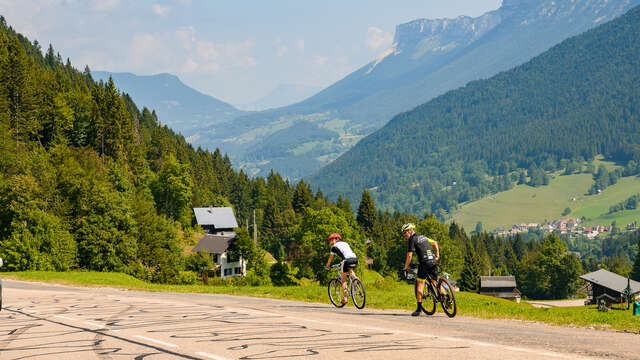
219, 224
500, 286
608, 286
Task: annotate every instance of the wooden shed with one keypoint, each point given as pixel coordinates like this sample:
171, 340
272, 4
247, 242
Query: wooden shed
500, 286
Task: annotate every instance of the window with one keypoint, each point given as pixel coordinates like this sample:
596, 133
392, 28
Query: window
238, 270
227, 271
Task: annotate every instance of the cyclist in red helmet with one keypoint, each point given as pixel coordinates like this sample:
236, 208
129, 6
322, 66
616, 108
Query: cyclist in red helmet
349, 260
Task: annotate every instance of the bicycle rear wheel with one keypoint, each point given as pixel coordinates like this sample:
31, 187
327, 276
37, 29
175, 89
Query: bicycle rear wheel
358, 294
335, 292
448, 302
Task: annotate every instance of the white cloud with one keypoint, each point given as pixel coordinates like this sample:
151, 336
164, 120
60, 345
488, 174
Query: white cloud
300, 45
376, 38
281, 49
149, 51
184, 2
187, 36
105, 5
320, 60
189, 66
160, 10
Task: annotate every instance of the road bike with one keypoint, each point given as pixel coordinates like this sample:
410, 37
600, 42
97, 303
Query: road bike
355, 289
431, 296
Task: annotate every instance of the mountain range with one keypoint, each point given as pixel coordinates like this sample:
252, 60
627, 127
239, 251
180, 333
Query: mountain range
428, 57
177, 105
564, 107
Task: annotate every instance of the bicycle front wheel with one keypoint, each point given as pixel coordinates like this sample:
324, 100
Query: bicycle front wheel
429, 300
335, 292
448, 300
357, 293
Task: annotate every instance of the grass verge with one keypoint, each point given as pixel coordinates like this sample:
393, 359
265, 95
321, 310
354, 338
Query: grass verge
381, 294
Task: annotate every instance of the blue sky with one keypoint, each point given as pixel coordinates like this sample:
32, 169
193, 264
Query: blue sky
235, 50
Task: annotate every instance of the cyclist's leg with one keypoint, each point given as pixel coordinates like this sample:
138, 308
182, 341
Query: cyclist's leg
343, 274
421, 278
433, 274
352, 265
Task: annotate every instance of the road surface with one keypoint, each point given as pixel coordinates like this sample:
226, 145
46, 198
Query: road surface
41, 321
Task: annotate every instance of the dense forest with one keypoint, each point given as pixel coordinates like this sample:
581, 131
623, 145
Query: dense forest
555, 112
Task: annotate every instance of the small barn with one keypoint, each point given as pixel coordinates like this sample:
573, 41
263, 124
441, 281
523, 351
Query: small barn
609, 286
500, 286
219, 224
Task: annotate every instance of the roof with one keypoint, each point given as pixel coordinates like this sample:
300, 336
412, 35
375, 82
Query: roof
611, 281
219, 217
215, 244
497, 281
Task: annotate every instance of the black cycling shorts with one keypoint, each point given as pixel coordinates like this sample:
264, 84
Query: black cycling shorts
348, 263
428, 269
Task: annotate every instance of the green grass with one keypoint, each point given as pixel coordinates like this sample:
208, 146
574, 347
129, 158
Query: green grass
381, 294
526, 204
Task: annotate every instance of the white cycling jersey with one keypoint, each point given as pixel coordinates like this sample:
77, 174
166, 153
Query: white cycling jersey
343, 250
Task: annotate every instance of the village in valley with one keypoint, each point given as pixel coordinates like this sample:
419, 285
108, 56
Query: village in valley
568, 227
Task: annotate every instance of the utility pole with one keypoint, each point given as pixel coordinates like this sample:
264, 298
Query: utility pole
255, 229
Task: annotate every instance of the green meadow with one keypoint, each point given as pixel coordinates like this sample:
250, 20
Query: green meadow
526, 204
382, 293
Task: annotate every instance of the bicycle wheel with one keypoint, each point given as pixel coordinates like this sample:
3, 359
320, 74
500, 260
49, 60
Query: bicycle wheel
335, 292
357, 293
428, 300
449, 299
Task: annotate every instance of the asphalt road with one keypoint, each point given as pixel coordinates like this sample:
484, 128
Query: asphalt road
40, 321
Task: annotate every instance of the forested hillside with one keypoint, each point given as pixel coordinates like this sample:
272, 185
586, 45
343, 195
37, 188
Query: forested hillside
575, 101
89, 181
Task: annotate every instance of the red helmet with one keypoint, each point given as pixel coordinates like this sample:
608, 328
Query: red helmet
334, 236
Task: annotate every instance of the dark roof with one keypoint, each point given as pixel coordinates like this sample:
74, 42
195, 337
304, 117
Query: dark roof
219, 217
215, 244
611, 281
497, 281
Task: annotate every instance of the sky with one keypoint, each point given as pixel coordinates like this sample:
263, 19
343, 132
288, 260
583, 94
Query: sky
234, 50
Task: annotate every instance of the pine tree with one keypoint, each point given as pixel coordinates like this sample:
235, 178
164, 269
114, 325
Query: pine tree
470, 277
635, 271
367, 215
302, 197
343, 203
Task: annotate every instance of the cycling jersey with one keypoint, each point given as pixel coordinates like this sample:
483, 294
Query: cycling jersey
422, 246
343, 250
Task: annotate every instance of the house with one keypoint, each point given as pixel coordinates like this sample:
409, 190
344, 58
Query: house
219, 224
500, 286
603, 284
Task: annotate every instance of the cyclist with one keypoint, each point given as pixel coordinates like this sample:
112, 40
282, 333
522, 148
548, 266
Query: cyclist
349, 260
424, 247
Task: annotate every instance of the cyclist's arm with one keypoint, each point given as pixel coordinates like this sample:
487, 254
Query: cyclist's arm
406, 263
437, 249
329, 262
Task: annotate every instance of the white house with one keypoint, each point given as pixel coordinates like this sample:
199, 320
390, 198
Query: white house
219, 224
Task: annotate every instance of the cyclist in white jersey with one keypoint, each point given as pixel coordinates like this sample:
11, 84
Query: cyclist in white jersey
349, 260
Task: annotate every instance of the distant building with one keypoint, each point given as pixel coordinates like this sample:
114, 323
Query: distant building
500, 286
219, 224
603, 284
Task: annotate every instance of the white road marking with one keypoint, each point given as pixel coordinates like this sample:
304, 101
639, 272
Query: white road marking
211, 356
156, 341
93, 324
446, 338
480, 343
65, 318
